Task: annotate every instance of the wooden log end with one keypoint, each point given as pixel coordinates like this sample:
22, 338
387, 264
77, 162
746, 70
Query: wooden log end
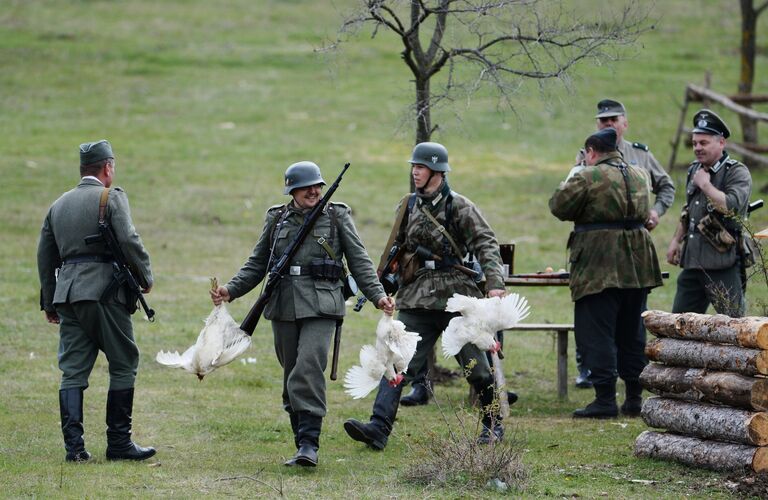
761, 337
760, 460
761, 363
759, 395
757, 429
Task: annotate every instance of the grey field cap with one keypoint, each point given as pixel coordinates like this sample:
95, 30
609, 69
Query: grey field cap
608, 108
91, 152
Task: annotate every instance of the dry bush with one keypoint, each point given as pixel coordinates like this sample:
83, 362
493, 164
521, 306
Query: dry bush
456, 459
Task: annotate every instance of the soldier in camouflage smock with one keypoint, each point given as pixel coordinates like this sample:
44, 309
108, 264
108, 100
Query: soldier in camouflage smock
706, 242
612, 113
613, 265
308, 301
422, 302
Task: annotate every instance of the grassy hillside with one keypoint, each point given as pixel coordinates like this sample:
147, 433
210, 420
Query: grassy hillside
206, 104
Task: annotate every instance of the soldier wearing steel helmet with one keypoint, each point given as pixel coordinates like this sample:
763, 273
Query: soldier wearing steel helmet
309, 299
421, 303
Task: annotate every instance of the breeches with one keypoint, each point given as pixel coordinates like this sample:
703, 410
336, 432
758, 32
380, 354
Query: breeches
302, 349
697, 288
430, 325
88, 327
609, 334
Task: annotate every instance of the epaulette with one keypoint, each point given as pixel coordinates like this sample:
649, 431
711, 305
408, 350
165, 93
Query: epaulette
276, 207
637, 145
340, 204
731, 162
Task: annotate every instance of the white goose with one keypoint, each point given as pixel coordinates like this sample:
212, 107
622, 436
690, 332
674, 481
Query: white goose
390, 357
220, 341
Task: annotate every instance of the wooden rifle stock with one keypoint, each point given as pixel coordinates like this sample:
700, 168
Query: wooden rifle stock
276, 273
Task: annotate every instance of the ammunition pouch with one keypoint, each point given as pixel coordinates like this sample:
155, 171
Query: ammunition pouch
403, 274
748, 250
325, 269
715, 232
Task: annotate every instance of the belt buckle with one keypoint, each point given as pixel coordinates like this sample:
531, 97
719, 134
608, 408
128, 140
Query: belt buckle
321, 240
429, 264
295, 271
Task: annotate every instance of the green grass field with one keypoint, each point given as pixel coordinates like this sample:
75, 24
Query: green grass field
206, 104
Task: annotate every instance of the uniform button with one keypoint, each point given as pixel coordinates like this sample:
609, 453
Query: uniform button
691, 236
697, 203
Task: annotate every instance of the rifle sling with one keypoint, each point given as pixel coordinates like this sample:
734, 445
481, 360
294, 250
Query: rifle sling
393, 235
103, 205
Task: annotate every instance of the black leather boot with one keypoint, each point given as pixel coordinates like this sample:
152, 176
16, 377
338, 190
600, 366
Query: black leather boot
419, 395
71, 409
376, 433
309, 440
604, 405
119, 417
493, 430
633, 403
294, 427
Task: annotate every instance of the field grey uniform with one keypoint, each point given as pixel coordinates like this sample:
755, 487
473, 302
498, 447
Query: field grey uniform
88, 323
304, 310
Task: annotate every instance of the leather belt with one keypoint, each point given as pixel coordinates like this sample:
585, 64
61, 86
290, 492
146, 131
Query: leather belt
629, 226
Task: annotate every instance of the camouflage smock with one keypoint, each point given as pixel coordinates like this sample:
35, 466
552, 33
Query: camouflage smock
636, 154
432, 288
302, 296
731, 177
608, 258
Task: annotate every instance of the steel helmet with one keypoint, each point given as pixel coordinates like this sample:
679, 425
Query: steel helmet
302, 174
431, 154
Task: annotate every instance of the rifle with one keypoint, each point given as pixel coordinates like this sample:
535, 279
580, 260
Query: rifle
336, 346
122, 273
426, 254
276, 273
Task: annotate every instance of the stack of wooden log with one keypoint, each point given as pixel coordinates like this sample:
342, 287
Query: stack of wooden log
709, 374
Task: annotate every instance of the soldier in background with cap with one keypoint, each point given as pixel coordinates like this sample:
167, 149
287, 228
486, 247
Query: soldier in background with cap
447, 225
613, 266
309, 301
705, 242
613, 114
74, 299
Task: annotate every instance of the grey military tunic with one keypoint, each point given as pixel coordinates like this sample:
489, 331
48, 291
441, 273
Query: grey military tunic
304, 310
638, 155
88, 325
710, 276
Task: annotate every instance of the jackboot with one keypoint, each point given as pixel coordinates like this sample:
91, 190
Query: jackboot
71, 409
493, 430
419, 395
633, 402
309, 440
295, 427
604, 405
376, 433
119, 418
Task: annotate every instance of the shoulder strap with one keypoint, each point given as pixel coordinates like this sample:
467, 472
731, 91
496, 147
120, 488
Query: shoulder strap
444, 232
103, 205
406, 205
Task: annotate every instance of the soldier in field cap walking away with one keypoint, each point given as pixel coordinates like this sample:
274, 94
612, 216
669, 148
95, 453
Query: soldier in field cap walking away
93, 315
613, 266
611, 113
706, 242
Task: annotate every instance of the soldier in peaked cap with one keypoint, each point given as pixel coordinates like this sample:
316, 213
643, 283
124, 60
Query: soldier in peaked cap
613, 266
707, 238
309, 300
611, 113
88, 320
446, 224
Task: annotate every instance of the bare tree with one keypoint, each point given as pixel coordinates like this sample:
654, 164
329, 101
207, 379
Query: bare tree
749, 15
496, 43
